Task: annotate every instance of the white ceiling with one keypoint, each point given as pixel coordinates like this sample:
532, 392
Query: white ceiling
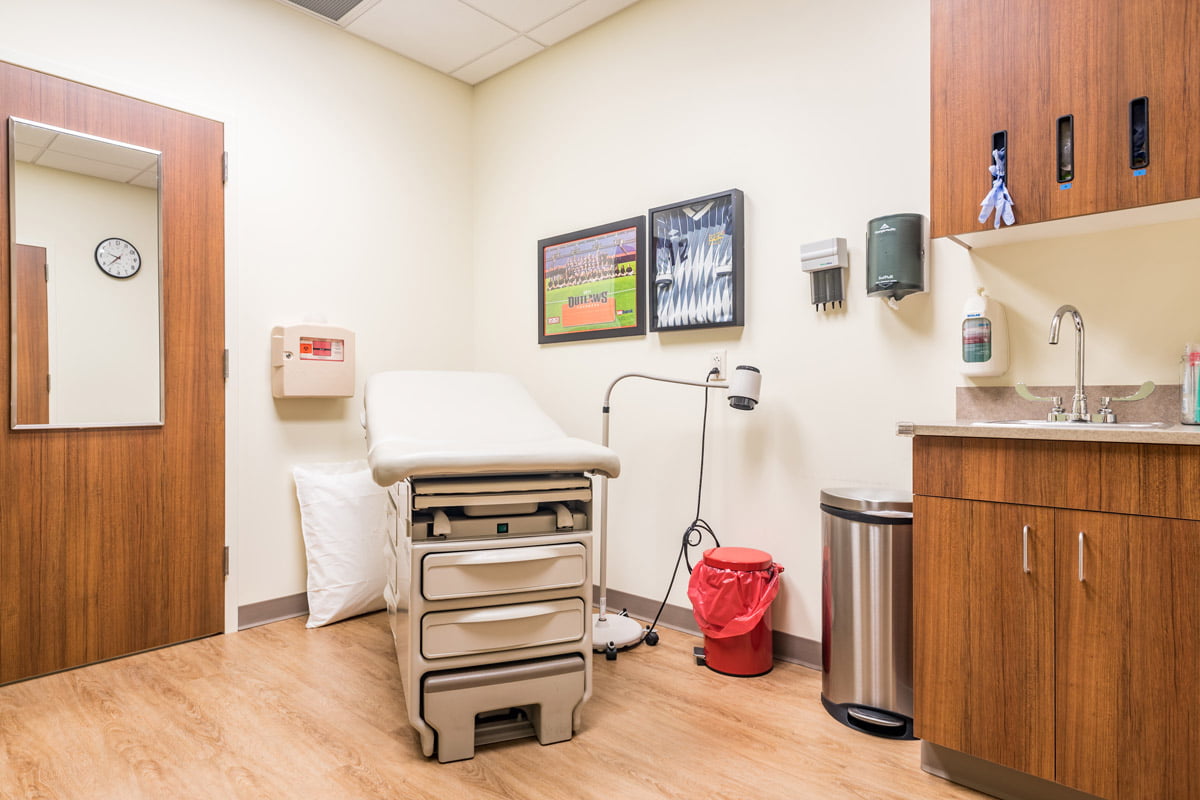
467, 39
86, 155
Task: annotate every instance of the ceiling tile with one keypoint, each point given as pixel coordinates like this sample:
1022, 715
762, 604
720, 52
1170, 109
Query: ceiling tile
443, 35
498, 60
147, 179
33, 134
25, 152
105, 152
522, 15
86, 166
576, 19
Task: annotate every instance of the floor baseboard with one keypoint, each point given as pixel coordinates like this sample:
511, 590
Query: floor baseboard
267, 611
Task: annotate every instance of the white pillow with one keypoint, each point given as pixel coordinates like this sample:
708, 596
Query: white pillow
343, 513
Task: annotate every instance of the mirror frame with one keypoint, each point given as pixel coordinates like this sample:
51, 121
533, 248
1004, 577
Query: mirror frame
12, 242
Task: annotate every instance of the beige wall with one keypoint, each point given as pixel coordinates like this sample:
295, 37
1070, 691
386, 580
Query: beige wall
349, 200
373, 193
820, 113
103, 332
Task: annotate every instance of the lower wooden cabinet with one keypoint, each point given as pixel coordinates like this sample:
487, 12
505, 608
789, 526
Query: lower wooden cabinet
983, 630
1060, 643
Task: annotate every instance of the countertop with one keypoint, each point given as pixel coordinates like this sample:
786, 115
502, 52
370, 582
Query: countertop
1171, 434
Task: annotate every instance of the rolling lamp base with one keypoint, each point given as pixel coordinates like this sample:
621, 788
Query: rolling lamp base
615, 630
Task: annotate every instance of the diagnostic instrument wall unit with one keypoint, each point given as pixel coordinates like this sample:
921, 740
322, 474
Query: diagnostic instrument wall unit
490, 550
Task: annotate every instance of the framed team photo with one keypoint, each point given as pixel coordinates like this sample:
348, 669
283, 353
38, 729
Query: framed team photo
591, 283
697, 254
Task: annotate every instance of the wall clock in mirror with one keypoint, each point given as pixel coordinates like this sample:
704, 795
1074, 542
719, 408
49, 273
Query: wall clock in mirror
118, 258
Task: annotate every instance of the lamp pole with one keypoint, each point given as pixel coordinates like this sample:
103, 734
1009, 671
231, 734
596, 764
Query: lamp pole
620, 631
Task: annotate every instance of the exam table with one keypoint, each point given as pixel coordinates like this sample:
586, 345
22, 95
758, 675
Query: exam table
489, 556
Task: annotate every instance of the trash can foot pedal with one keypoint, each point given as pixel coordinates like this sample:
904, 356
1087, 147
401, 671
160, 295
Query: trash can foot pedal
698, 652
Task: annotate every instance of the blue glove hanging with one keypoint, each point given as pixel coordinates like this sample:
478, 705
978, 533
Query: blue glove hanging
998, 198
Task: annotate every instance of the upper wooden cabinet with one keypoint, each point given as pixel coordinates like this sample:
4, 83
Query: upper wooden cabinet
1021, 65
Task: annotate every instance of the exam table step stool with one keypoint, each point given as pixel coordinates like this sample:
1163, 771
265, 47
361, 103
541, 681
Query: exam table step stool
548, 690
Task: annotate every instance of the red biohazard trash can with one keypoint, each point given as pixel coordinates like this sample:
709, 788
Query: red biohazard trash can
731, 590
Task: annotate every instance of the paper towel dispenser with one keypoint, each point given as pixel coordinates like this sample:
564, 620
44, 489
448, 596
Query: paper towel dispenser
896, 246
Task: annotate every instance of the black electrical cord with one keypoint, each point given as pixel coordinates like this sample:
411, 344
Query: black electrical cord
693, 535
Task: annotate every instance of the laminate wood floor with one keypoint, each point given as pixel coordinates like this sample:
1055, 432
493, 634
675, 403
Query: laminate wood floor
284, 712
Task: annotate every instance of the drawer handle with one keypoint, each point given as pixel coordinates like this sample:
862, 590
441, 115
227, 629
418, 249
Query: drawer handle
1025, 548
505, 613
1081, 556
504, 556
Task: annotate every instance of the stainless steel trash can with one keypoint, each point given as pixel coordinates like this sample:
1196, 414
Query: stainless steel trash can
866, 609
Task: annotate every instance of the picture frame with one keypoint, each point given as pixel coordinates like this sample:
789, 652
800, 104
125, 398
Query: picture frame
697, 263
592, 284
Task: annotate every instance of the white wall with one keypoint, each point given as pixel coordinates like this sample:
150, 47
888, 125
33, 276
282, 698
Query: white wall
820, 113
103, 332
349, 200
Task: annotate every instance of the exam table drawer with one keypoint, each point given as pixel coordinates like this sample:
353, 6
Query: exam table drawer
445, 634
477, 573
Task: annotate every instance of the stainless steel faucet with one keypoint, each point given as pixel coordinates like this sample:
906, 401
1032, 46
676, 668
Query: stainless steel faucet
1079, 412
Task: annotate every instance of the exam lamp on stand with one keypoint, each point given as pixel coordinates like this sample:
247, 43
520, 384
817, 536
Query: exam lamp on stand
611, 633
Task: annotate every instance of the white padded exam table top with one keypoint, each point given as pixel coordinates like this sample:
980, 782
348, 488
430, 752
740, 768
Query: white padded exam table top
431, 423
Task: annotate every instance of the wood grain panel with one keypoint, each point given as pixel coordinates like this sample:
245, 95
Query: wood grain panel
1160, 689
940, 589
1021, 64
984, 631
1159, 60
1092, 632
111, 539
937, 466
1156, 480
33, 345
1030, 471
976, 49
1081, 40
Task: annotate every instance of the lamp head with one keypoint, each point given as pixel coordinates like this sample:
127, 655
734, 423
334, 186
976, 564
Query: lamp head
744, 387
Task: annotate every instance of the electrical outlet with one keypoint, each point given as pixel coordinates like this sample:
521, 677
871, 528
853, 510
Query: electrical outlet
716, 360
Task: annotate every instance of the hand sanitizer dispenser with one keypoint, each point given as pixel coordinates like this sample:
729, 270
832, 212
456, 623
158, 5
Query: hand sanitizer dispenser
984, 337
896, 256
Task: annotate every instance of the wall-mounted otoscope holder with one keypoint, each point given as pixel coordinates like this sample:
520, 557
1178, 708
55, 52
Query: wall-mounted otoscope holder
825, 262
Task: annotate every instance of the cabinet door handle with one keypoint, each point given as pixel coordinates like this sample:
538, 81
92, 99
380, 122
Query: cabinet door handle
1081, 556
1025, 548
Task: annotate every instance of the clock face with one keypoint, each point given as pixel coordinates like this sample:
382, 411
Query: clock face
118, 258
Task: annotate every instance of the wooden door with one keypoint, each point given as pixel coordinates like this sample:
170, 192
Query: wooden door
1080, 43
1129, 642
33, 346
983, 630
985, 63
111, 540
1092, 627
1158, 59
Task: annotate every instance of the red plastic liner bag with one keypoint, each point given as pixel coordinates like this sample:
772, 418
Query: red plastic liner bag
730, 602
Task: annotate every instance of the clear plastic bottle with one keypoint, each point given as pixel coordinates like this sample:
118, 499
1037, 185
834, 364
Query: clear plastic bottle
1189, 389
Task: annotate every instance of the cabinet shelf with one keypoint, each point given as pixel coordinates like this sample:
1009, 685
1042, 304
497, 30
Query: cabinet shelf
1079, 226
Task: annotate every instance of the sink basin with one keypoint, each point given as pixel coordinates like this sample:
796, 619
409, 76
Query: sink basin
1041, 423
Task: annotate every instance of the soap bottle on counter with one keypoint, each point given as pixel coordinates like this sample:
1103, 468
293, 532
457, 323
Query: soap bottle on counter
1189, 389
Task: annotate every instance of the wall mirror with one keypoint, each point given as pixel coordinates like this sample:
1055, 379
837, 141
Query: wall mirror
84, 223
